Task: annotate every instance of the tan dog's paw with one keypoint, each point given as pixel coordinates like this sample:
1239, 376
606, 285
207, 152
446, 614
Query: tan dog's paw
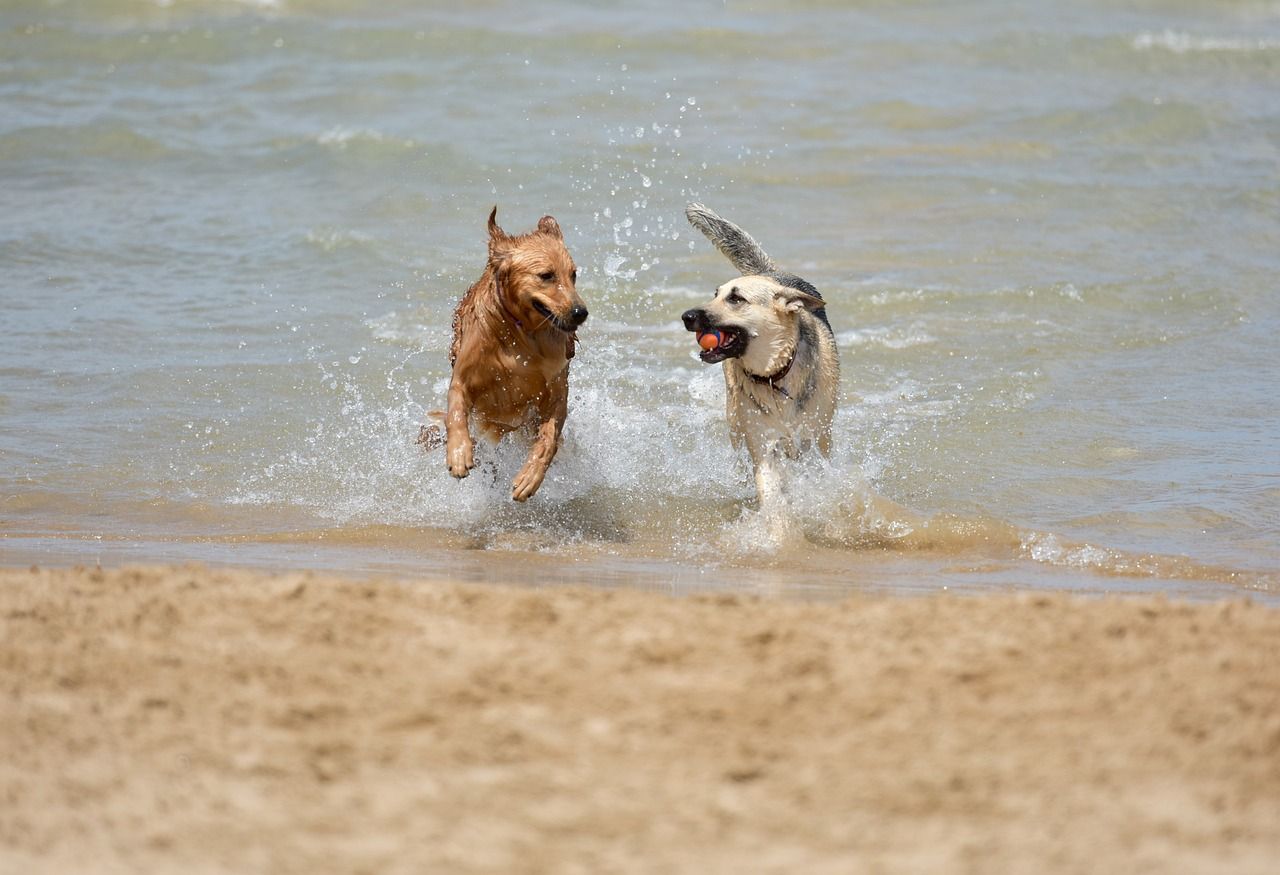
461, 457
528, 481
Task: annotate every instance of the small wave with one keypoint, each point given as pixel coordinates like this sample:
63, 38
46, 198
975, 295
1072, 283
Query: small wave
1184, 43
906, 115
861, 520
678, 292
262, 5
408, 330
341, 137
889, 338
1052, 549
104, 140
330, 239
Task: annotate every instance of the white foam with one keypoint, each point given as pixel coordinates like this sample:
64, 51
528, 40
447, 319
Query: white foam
676, 292
262, 5
400, 330
1052, 550
330, 239
340, 137
1183, 43
886, 336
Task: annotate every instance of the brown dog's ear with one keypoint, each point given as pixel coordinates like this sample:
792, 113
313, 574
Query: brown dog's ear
794, 299
550, 226
501, 263
498, 238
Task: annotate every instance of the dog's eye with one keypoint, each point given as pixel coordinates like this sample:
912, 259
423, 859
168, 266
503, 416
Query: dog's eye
547, 276
734, 298
573, 276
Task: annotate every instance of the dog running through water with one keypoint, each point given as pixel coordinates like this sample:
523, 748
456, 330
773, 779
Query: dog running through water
514, 333
781, 366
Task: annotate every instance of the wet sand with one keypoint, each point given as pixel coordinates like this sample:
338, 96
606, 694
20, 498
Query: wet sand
197, 720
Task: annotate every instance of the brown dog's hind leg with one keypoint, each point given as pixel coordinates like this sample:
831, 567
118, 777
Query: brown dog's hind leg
431, 437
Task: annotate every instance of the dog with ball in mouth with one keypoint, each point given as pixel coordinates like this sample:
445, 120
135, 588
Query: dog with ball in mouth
769, 328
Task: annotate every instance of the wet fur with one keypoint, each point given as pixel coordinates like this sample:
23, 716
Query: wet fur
513, 337
783, 319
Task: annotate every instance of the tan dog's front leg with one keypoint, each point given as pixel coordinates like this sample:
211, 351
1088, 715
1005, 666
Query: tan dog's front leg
459, 449
535, 467
769, 485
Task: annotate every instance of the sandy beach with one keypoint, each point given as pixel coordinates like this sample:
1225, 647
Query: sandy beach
189, 719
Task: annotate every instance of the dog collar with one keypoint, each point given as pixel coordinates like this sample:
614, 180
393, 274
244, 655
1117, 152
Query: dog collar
772, 380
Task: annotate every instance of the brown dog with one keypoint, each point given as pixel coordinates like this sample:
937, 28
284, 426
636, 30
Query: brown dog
513, 336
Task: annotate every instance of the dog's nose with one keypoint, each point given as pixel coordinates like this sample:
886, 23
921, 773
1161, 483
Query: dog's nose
578, 314
691, 318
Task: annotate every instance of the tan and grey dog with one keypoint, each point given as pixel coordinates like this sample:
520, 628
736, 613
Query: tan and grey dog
781, 366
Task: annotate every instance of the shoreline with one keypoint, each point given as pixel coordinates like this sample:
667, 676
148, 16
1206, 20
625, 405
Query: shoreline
817, 572
220, 720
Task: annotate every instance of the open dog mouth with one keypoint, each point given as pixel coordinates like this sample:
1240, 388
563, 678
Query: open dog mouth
721, 343
551, 317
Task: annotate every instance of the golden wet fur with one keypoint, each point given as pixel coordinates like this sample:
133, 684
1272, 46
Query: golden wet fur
513, 337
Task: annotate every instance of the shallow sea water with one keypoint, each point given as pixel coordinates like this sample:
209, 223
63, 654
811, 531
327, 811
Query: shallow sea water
233, 234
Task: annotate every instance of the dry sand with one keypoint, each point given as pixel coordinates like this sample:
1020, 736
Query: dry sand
193, 720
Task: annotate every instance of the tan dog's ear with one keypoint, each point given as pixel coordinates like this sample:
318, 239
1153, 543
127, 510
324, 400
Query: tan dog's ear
793, 300
550, 226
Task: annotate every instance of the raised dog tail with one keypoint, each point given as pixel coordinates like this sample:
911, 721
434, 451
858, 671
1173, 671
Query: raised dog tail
734, 243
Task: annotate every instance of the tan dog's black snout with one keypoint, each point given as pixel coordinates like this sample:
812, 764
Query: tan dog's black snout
694, 320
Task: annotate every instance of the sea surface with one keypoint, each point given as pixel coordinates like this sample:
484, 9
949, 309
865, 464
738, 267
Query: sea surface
232, 235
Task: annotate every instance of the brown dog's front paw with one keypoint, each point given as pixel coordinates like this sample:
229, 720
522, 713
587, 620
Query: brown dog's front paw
461, 458
527, 482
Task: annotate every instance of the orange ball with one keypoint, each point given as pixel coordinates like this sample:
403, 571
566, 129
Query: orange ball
709, 340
